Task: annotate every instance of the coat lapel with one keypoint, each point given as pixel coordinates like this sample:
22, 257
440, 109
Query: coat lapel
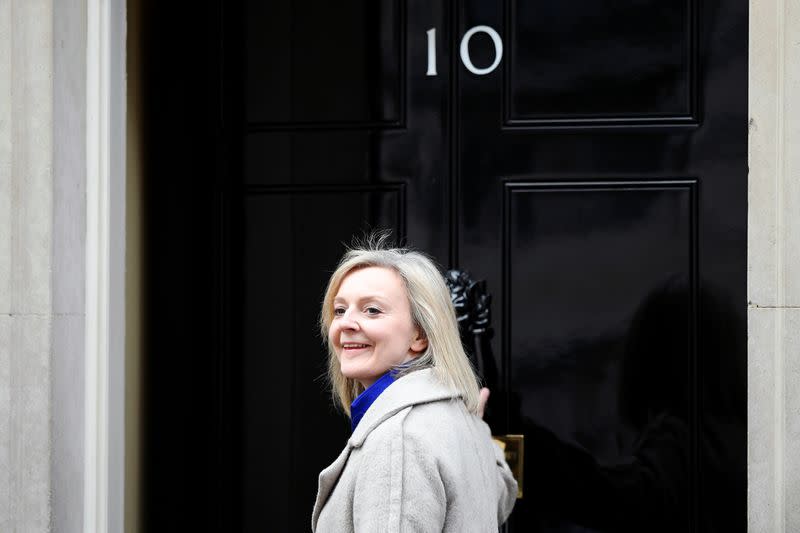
327, 480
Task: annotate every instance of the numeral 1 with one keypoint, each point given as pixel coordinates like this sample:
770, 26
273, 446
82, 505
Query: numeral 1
431, 52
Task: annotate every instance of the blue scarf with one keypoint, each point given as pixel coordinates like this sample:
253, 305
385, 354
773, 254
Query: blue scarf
360, 405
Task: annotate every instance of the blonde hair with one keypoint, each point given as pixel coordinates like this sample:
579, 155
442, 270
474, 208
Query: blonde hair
432, 312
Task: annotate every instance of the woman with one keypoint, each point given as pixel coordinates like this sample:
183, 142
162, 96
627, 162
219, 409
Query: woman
419, 458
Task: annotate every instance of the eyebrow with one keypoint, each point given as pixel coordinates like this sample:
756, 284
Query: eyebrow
363, 299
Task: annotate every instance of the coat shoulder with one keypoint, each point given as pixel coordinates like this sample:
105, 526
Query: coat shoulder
434, 423
439, 424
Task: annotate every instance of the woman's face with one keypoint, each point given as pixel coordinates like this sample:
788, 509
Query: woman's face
372, 330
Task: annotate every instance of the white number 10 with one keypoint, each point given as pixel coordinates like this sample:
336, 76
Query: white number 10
465, 58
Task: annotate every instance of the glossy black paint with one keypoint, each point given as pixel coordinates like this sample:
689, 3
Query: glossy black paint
582, 219
189, 463
596, 181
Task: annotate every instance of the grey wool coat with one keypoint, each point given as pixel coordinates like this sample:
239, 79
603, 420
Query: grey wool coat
417, 462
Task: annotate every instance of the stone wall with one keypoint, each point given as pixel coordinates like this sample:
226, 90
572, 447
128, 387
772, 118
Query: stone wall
774, 267
68, 265
42, 263
26, 246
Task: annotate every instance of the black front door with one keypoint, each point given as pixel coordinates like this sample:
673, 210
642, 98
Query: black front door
588, 161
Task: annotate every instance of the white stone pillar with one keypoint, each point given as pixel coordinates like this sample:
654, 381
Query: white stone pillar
26, 224
43, 54
68, 265
774, 267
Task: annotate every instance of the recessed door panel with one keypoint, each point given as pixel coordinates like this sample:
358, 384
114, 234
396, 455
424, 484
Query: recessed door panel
610, 62
598, 350
324, 64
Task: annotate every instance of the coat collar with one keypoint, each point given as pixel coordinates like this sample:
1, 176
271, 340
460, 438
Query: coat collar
420, 386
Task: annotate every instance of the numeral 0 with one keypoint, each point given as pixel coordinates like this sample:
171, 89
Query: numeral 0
465, 58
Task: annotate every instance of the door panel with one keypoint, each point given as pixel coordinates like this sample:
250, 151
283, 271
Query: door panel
325, 64
600, 62
580, 261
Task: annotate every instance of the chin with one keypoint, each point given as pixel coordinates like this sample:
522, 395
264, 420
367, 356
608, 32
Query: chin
351, 371
357, 374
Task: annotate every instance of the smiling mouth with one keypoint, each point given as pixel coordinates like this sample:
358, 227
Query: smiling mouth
354, 347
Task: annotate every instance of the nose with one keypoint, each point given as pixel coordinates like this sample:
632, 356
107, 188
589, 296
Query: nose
346, 321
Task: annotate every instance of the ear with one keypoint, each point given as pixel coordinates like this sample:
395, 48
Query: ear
419, 343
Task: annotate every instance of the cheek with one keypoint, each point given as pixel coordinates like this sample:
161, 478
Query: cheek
395, 337
333, 332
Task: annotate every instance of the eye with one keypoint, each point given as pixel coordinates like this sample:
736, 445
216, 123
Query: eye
373, 311
338, 311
